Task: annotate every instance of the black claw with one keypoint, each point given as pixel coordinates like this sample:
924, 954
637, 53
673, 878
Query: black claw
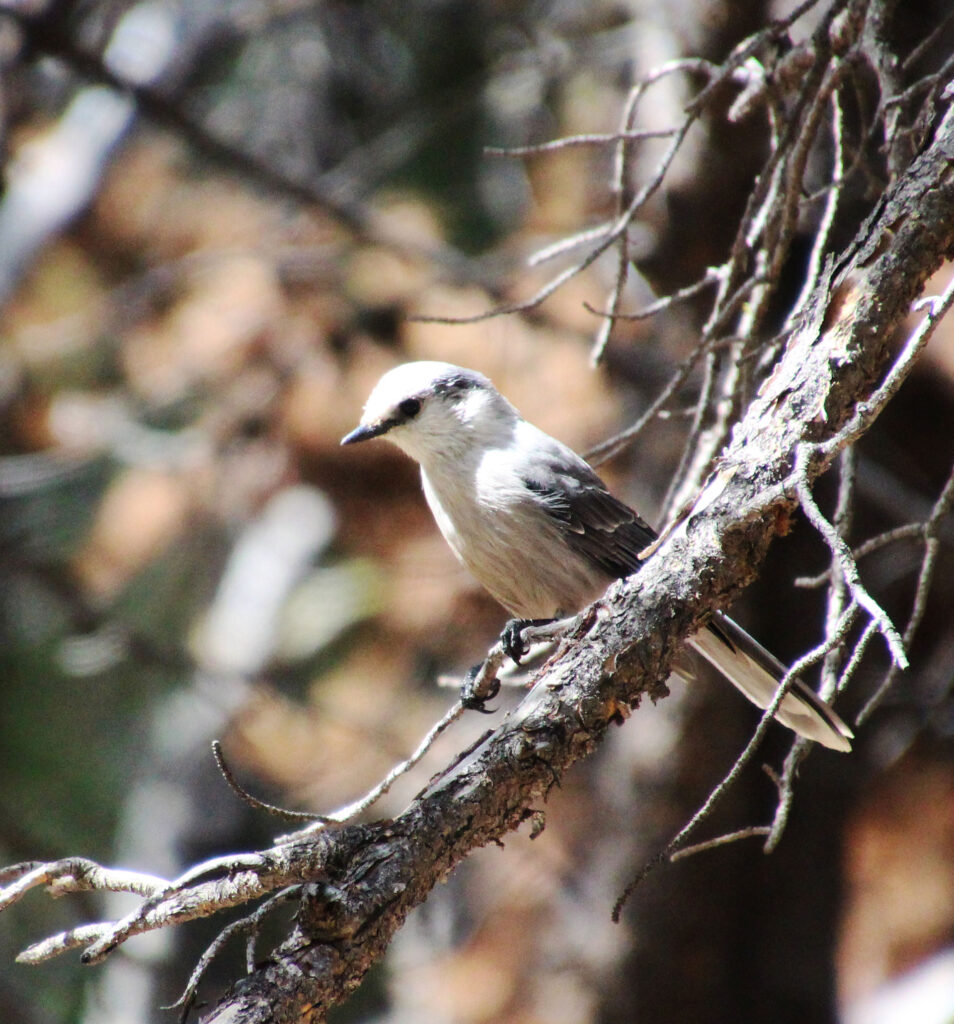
476, 704
511, 639
469, 699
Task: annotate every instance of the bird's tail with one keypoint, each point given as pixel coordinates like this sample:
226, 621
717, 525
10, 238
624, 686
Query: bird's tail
757, 673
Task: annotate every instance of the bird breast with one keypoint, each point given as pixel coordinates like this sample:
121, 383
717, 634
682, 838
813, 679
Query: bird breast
503, 535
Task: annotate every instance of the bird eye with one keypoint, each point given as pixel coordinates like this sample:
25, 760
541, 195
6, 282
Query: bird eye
410, 407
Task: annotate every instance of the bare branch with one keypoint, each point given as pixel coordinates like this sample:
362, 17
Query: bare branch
563, 245
249, 925
820, 245
679, 841
77, 874
571, 141
712, 844
800, 748
867, 412
712, 275
370, 798
942, 508
873, 544
253, 801
842, 554
837, 589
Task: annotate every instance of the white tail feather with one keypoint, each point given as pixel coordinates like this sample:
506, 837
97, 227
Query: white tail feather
757, 673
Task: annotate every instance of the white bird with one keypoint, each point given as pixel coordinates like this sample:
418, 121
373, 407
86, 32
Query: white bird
538, 528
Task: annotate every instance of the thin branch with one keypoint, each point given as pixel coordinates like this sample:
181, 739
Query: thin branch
823, 232
927, 42
78, 874
678, 841
557, 281
729, 837
837, 589
868, 547
370, 798
55, 945
612, 446
563, 245
249, 925
624, 217
801, 747
619, 188
570, 141
253, 801
842, 553
616, 295
941, 509
711, 276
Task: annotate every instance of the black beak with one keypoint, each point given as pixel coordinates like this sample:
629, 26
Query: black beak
365, 433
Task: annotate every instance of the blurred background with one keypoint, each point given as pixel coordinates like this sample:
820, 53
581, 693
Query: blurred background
201, 278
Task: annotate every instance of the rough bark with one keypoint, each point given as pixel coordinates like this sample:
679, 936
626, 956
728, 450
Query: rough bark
377, 873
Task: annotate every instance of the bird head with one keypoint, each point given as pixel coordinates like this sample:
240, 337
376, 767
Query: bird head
431, 409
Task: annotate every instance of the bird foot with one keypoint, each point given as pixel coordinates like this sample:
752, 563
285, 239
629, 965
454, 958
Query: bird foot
468, 690
512, 639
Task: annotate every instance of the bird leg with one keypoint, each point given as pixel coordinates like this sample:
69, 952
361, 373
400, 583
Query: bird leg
514, 642
474, 682
481, 683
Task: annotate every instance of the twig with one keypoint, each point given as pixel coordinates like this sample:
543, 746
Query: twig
563, 245
841, 520
78, 874
244, 878
711, 276
351, 810
842, 554
616, 294
619, 188
625, 216
557, 281
204, 889
906, 532
729, 837
925, 576
823, 231
927, 42
569, 141
677, 842
612, 446
253, 801
250, 924
801, 746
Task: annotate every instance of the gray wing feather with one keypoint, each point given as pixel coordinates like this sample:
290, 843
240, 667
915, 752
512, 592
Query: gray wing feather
601, 528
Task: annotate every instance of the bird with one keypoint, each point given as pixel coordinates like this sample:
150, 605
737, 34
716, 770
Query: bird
539, 529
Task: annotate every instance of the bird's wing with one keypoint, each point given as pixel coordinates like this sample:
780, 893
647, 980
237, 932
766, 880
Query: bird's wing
610, 535
597, 526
